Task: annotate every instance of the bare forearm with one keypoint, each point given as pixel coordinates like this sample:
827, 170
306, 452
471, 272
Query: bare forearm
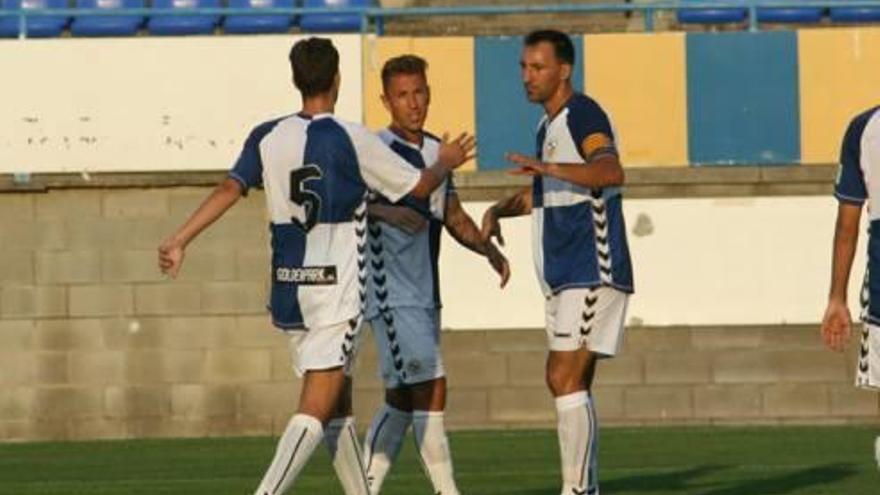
515, 205
602, 172
463, 229
845, 241
430, 180
221, 199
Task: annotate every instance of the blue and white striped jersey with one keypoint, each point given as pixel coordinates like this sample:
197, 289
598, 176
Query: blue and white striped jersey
403, 266
316, 171
858, 181
578, 234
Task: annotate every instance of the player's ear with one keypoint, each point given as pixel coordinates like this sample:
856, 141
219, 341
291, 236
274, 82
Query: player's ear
428, 91
566, 72
385, 102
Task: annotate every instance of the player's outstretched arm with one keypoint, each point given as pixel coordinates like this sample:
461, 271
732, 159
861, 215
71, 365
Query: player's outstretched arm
463, 229
512, 206
837, 323
172, 249
603, 171
452, 155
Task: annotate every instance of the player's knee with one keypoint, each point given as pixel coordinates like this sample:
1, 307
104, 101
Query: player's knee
561, 382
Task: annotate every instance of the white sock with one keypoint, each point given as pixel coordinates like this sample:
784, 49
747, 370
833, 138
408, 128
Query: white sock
577, 434
433, 447
341, 440
383, 442
296, 445
593, 488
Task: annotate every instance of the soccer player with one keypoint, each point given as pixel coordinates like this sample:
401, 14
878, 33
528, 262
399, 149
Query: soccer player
316, 170
403, 301
856, 184
580, 245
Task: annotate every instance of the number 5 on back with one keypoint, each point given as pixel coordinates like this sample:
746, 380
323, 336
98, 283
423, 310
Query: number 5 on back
302, 197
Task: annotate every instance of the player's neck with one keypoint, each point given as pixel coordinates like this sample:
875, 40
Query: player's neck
318, 104
414, 137
556, 102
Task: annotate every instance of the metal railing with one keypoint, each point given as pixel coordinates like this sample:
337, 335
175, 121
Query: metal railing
376, 16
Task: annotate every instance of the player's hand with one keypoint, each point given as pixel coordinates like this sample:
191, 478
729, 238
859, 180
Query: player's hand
171, 255
526, 165
404, 218
499, 263
491, 227
455, 153
836, 325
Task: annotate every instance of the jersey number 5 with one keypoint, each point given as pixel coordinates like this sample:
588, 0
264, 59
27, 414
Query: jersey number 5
302, 197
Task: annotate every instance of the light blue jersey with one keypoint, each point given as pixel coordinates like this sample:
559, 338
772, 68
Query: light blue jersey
403, 266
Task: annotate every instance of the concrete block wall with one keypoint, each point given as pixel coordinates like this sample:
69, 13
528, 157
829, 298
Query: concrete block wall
94, 343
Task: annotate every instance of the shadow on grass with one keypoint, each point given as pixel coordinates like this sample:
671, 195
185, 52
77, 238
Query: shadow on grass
790, 483
673, 481
679, 481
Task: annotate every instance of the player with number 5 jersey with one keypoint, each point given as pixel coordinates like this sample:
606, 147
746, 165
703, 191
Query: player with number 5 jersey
316, 170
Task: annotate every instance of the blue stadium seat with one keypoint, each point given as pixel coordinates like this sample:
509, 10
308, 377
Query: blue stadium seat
183, 24
855, 14
37, 26
711, 16
332, 22
801, 15
267, 23
107, 25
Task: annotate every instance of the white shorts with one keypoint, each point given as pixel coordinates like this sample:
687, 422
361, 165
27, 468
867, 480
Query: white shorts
408, 344
324, 348
868, 366
591, 318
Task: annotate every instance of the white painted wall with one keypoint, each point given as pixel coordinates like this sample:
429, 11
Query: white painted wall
148, 103
704, 262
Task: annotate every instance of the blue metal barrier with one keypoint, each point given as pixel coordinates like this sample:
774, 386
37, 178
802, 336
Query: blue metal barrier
377, 15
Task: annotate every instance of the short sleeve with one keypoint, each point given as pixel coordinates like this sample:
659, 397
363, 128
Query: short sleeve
850, 185
587, 120
383, 170
248, 169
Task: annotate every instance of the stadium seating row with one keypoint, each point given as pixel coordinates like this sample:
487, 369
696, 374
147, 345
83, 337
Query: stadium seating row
127, 25
794, 14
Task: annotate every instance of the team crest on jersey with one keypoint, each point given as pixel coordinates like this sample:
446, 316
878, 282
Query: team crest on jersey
414, 366
307, 275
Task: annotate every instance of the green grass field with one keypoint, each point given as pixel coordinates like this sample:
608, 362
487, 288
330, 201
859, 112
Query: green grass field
646, 461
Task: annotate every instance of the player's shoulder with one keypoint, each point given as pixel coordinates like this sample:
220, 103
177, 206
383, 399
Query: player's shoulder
858, 126
260, 130
583, 106
860, 121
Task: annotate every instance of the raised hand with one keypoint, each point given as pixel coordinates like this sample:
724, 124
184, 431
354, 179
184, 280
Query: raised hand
455, 153
526, 165
836, 326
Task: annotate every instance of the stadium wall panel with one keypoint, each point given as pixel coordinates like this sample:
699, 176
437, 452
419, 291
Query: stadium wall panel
743, 98
640, 81
840, 78
148, 103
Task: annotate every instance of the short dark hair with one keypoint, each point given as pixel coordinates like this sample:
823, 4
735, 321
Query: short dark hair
404, 64
563, 48
314, 62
